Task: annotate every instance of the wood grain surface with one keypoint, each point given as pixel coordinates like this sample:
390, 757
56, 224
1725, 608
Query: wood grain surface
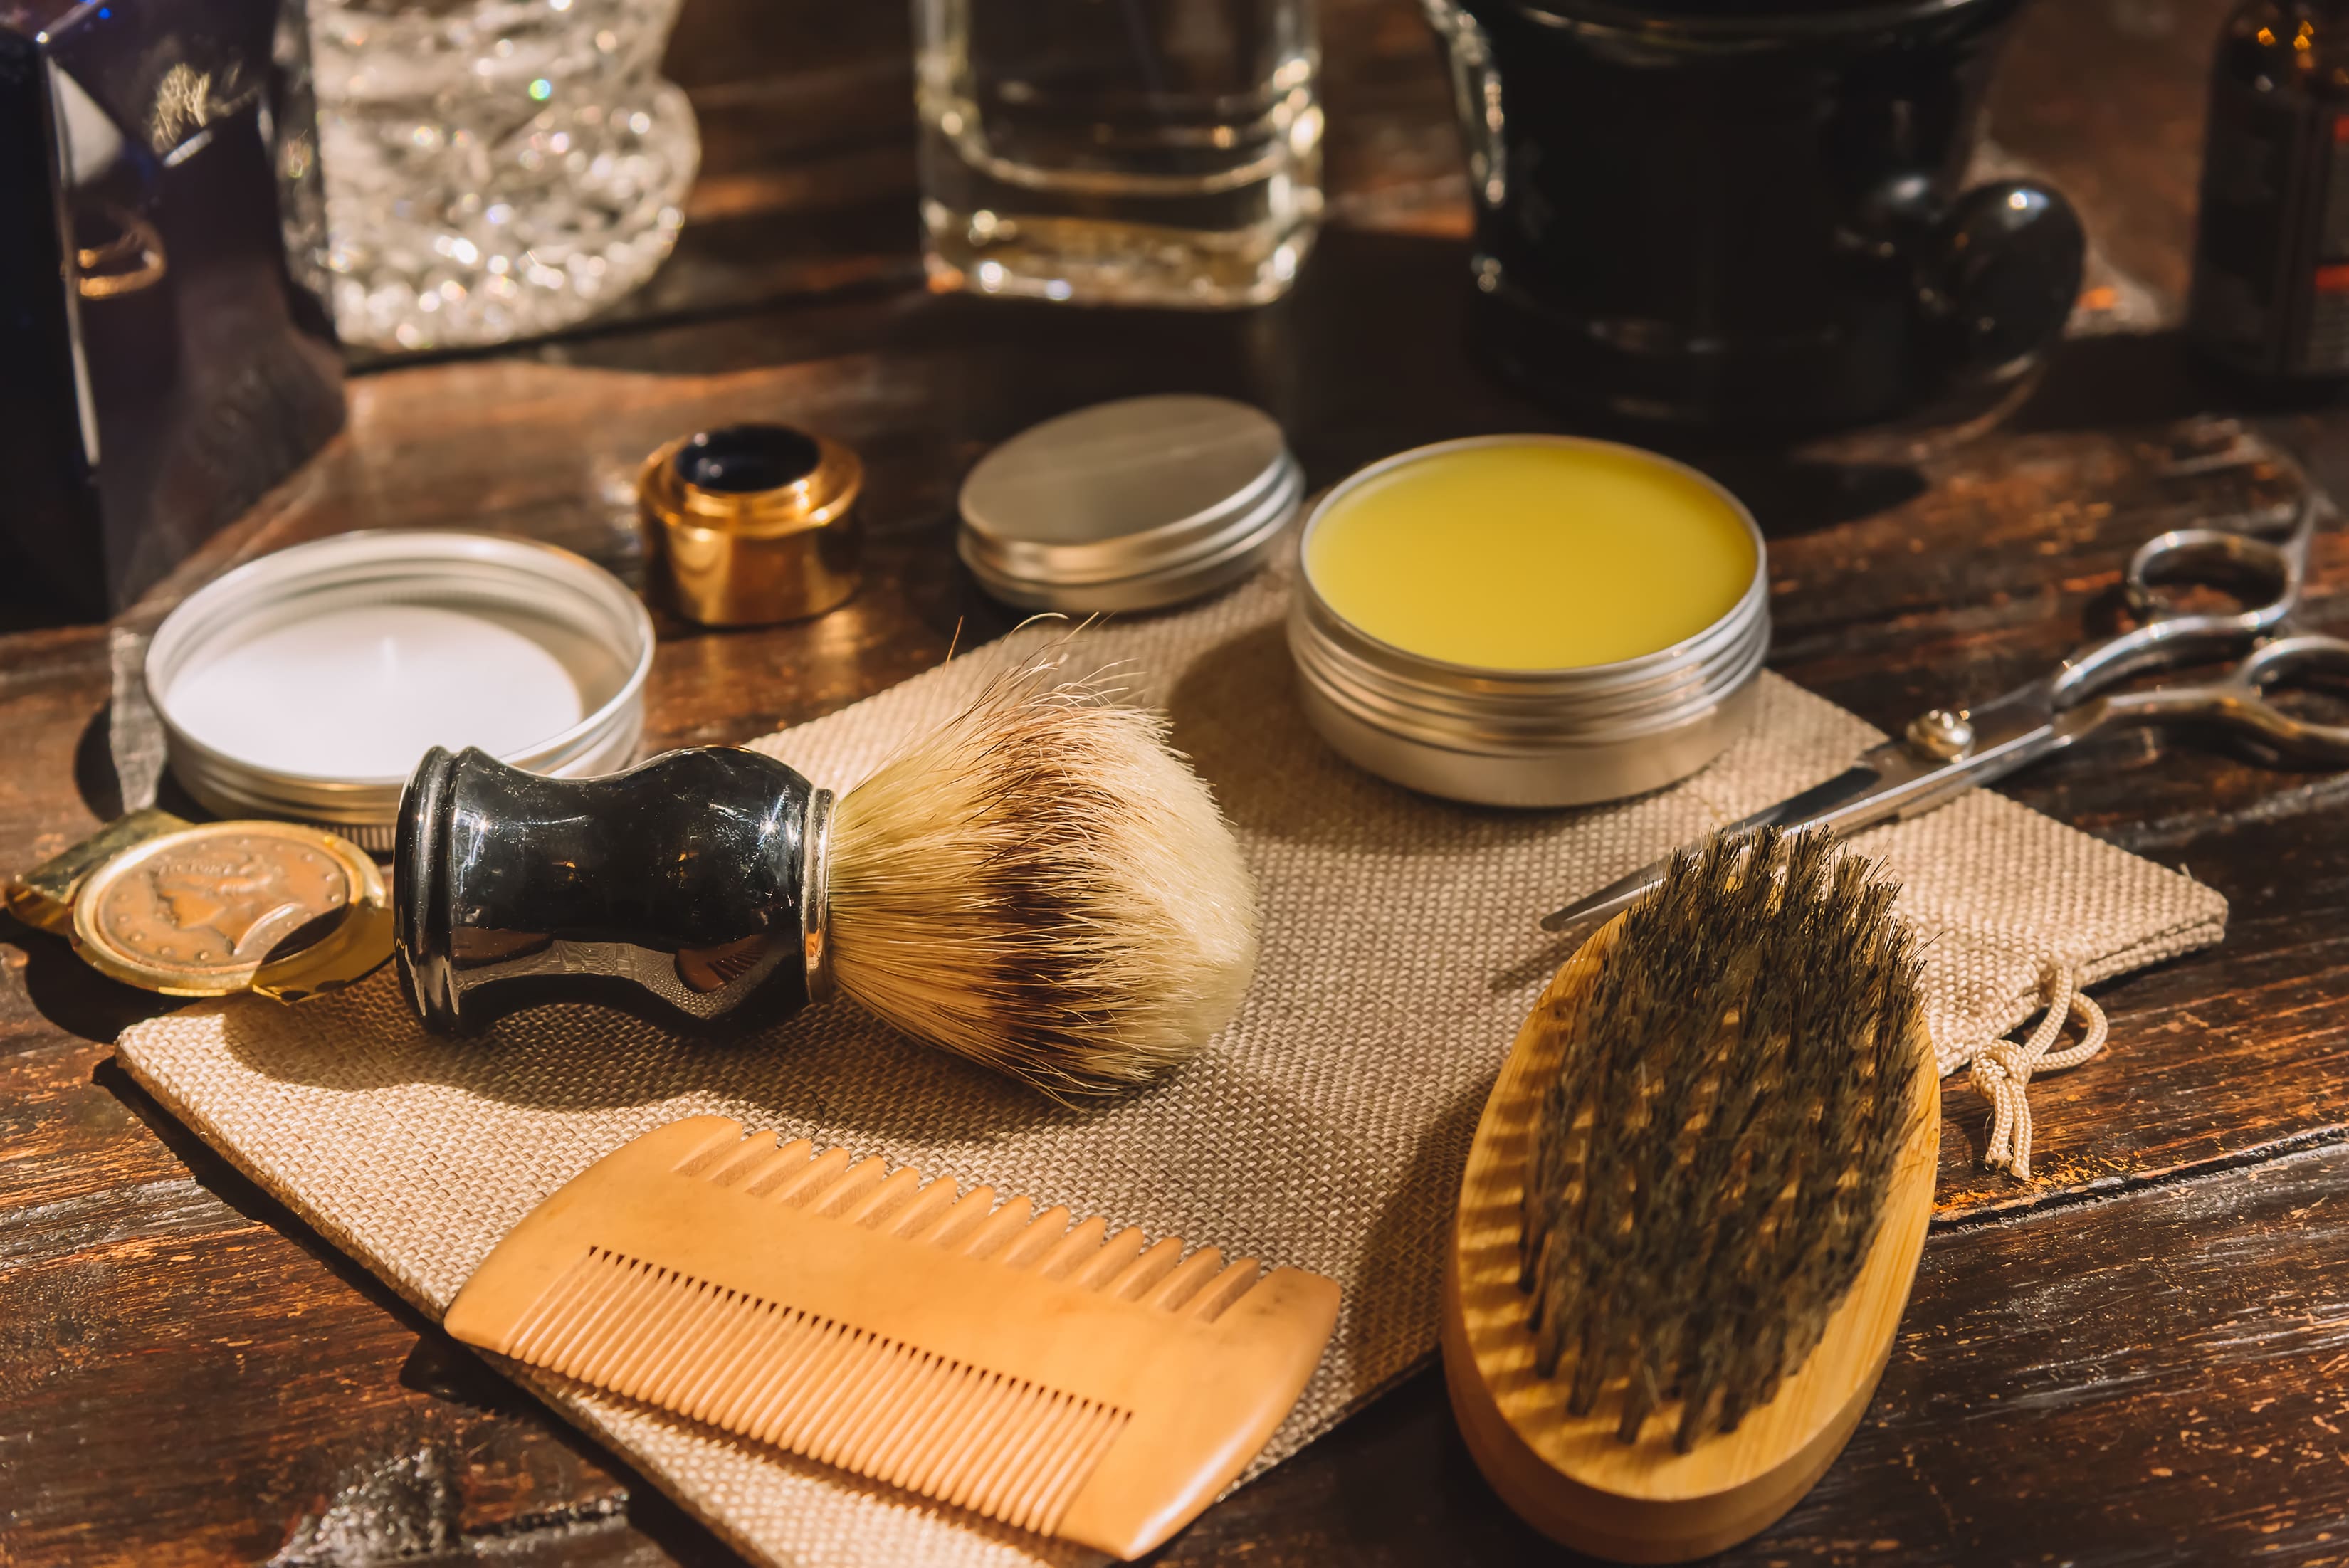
2141, 1356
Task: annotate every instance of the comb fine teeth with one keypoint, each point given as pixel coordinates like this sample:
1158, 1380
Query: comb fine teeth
1065, 1377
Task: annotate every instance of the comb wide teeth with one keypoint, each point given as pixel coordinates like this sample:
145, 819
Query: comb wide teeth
838, 1185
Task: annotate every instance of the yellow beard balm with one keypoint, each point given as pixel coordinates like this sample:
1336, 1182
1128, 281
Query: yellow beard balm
1530, 620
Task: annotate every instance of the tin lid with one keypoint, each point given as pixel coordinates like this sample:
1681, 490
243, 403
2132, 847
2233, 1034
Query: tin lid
308, 684
271, 907
1130, 505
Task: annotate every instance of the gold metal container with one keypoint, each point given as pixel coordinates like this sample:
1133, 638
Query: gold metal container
753, 523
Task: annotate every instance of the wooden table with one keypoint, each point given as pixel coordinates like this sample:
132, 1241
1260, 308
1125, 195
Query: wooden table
2141, 1356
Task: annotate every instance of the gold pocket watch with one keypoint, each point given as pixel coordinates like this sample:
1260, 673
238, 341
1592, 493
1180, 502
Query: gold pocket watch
211, 909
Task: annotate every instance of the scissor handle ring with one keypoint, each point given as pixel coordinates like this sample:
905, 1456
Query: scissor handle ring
2271, 663
2276, 566
2167, 636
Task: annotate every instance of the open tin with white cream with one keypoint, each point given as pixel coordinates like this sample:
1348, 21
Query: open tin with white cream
306, 685
1530, 620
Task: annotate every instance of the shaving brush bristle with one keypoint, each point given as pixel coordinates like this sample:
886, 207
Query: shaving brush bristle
1709, 1167
1045, 887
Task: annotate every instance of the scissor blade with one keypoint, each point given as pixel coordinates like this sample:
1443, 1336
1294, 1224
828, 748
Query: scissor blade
1793, 811
1609, 900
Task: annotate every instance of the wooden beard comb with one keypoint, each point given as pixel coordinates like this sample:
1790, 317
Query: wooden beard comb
1695, 1205
1053, 1377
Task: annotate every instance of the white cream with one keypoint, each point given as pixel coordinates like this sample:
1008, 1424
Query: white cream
365, 693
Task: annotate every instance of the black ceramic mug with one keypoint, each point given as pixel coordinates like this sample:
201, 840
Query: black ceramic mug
1747, 212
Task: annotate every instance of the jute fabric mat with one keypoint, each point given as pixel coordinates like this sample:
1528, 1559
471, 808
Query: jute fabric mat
1326, 1128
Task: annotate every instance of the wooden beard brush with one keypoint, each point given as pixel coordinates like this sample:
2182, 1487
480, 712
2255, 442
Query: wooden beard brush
1695, 1205
1042, 885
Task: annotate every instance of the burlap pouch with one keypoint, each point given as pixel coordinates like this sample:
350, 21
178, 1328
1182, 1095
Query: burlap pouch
1326, 1128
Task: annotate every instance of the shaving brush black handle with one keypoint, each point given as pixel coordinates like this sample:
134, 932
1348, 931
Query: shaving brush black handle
684, 878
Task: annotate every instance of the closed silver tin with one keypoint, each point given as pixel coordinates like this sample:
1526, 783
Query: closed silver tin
1527, 737
1131, 505
501, 624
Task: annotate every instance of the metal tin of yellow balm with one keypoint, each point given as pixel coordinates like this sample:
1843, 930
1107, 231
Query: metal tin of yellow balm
1530, 620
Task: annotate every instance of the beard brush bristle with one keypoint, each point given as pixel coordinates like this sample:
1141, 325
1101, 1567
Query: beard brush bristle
1044, 886
1710, 1165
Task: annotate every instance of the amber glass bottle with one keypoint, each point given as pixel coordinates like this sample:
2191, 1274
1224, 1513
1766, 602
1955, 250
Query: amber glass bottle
2272, 256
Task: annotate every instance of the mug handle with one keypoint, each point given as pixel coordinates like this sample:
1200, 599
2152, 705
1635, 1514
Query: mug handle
128, 258
1997, 277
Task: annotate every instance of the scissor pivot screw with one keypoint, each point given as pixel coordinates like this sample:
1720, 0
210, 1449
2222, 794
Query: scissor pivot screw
1941, 734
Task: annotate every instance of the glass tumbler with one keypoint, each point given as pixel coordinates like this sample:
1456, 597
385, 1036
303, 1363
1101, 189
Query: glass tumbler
495, 169
1153, 152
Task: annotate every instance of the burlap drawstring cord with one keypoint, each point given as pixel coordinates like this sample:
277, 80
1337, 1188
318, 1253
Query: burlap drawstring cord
2003, 1068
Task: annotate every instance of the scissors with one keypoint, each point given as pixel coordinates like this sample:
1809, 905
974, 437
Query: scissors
1946, 751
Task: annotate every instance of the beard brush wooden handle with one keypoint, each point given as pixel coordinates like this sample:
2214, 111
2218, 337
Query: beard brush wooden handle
1570, 1475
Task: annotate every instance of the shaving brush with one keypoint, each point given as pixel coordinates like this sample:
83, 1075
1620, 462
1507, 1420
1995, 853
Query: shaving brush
1040, 885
